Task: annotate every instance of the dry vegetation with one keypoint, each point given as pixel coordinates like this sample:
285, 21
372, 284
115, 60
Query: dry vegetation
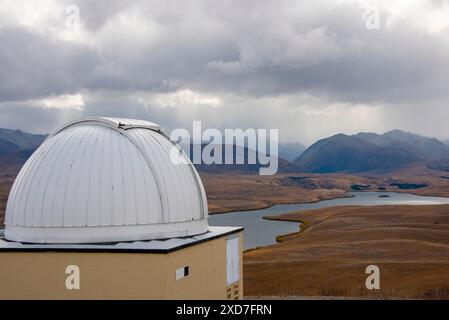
230, 192
410, 244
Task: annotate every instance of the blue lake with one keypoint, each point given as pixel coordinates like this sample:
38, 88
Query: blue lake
260, 232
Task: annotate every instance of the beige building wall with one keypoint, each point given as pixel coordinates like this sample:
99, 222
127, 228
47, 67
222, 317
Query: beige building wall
118, 275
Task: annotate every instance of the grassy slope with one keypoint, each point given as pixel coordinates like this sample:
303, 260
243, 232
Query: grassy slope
227, 192
410, 244
231, 192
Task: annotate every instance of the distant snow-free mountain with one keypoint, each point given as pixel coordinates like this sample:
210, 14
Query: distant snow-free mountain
370, 151
290, 151
339, 153
16, 145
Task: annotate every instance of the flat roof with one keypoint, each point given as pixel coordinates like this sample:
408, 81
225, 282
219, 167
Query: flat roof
150, 246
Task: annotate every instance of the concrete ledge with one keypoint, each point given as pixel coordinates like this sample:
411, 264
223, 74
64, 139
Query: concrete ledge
150, 246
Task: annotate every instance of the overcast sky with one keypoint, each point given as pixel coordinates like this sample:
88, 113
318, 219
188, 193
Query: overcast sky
310, 68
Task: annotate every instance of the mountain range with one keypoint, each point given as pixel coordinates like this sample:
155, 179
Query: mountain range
339, 153
246, 153
16, 145
290, 151
370, 151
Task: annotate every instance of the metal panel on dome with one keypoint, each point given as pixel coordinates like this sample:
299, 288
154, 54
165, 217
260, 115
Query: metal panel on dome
115, 123
133, 123
180, 182
93, 180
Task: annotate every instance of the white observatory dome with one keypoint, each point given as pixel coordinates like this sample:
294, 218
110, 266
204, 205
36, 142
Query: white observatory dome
105, 180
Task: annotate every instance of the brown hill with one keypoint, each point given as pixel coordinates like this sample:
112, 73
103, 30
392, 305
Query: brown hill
410, 245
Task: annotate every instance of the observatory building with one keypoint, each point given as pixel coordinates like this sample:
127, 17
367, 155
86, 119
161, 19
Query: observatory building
104, 209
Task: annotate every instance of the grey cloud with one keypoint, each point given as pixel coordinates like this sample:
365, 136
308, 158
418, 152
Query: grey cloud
28, 117
34, 65
95, 13
257, 49
252, 50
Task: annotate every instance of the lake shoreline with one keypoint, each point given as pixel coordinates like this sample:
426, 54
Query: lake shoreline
303, 224
345, 195
329, 257
265, 227
244, 209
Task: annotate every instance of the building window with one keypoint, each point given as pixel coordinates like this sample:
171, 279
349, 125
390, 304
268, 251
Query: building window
232, 261
182, 272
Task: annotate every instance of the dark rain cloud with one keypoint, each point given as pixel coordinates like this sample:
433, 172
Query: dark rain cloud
248, 49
